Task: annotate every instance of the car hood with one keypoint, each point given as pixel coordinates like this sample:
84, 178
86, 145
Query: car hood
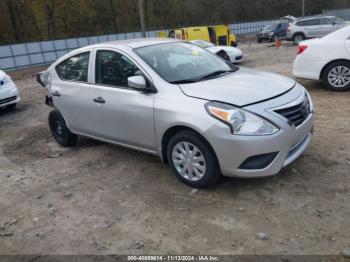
227, 49
241, 88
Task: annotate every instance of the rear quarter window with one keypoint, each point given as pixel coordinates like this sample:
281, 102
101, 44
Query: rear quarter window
74, 68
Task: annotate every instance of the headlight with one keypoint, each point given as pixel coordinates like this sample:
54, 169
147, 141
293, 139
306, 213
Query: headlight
272, 33
5, 80
241, 121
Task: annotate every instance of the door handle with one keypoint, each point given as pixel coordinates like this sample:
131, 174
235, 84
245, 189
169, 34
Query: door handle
56, 93
99, 100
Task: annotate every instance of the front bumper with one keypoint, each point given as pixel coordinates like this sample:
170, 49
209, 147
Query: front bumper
265, 38
288, 144
9, 94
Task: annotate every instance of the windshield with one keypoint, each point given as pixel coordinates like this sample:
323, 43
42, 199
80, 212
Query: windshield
182, 62
270, 27
203, 44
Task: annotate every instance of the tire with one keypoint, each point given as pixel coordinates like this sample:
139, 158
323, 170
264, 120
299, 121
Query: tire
12, 106
297, 38
331, 73
59, 130
197, 177
259, 40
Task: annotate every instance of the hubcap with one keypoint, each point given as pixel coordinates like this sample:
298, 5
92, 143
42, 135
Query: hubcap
58, 128
189, 161
298, 39
339, 76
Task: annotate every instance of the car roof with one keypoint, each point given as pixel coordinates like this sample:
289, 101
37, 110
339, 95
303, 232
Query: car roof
315, 17
131, 43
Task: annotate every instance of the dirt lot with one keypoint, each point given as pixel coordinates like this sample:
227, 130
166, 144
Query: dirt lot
102, 199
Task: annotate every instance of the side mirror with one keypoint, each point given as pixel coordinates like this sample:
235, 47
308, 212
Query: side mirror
139, 83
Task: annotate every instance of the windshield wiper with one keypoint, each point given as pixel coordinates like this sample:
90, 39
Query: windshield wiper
215, 73
208, 76
184, 81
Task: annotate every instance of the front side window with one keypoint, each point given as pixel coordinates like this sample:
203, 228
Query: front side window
270, 27
113, 69
312, 22
74, 68
179, 62
337, 20
326, 21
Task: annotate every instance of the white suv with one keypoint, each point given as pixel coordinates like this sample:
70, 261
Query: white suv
313, 27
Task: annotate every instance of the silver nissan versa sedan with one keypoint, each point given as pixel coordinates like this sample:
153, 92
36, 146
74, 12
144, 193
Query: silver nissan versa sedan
176, 100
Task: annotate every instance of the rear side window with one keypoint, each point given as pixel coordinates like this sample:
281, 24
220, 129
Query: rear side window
309, 22
74, 68
113, 69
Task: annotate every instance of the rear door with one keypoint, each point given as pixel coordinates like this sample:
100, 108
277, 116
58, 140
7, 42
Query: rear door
327, 26
119, 113
197, 33
71, 91
313, 28
222, 35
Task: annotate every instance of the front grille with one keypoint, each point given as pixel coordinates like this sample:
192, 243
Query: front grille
239, 58
263, 35
6, 100
297, 114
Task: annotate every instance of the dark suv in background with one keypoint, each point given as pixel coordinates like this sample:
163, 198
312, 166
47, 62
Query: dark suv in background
269, 32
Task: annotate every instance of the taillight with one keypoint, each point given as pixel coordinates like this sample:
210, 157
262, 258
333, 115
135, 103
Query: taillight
301, 49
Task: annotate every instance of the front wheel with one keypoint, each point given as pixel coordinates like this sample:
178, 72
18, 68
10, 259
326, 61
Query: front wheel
60, 131
192, 160
337, 76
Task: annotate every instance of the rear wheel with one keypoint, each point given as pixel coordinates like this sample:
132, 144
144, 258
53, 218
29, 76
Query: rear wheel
192, 160
259, 40
59, 130
297, 38
337, 76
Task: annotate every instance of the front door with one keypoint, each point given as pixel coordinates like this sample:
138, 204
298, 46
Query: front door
119, 113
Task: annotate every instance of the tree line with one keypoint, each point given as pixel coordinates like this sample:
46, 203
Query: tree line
39, 20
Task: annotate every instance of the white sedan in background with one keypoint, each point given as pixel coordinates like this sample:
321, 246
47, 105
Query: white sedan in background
9, 94
234, 54
326, 59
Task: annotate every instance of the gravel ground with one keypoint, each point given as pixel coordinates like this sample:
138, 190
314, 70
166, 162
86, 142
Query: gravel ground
97, 198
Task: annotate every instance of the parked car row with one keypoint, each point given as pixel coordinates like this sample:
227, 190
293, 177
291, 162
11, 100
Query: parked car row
297, 30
